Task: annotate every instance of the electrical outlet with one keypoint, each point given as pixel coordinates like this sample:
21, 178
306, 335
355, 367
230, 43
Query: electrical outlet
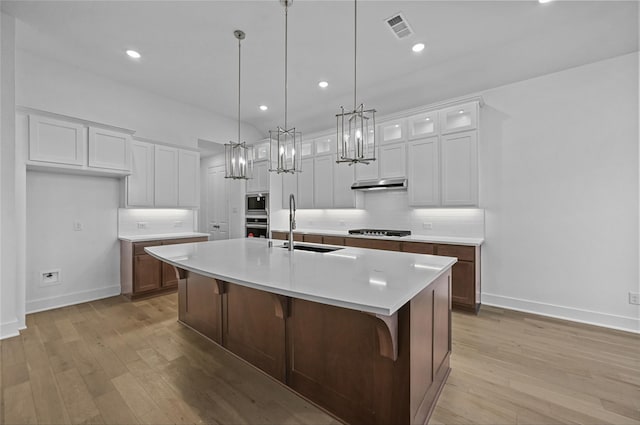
142, 225
50, 277
634, 298
178, 223
427, 226
77, 226
342, 223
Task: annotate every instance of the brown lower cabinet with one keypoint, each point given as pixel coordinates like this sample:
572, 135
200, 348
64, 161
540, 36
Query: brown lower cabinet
142, 275
465, 283
336, 357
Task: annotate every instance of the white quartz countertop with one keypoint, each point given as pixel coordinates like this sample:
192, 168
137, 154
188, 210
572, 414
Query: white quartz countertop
451, 240
373, 281
160, 236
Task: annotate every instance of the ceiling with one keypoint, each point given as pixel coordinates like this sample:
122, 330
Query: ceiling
189, 52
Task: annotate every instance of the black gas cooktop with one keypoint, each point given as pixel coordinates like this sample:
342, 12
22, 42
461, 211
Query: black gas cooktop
379, 232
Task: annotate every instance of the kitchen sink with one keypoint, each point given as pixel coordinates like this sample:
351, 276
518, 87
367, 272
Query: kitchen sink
312, 248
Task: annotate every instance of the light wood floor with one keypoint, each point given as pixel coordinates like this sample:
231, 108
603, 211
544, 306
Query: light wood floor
115, 361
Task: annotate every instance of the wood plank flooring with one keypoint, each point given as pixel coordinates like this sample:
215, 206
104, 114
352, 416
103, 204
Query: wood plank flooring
121, 362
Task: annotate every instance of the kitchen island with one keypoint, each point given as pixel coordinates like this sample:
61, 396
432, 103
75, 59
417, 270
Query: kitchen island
365, 334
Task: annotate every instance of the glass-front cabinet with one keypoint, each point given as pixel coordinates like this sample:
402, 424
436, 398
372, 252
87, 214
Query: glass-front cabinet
423, 125
459, 118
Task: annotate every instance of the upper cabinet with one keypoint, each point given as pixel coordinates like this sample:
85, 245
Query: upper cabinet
423, 125
109, 149
391, 131
459, 169
459, 118
325, 145
78, 146
424, 172
162, 177
56, 141
259, 183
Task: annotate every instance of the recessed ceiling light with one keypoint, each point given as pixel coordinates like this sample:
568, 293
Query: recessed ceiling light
428, 119
461, 111
544, 1
323, 84
263, 107
133, 54
418, 47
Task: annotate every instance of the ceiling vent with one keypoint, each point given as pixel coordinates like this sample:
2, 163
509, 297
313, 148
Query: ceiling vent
399, 25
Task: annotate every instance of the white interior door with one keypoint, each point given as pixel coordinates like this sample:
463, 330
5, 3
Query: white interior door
217, 204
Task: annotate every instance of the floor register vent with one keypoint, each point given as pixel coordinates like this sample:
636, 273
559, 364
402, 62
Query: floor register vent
399, 25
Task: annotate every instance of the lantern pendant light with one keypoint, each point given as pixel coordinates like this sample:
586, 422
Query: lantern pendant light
356, 129
284, 142
238, 156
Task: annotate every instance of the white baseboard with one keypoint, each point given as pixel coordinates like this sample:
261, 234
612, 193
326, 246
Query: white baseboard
10, 329
623, 323
58, 301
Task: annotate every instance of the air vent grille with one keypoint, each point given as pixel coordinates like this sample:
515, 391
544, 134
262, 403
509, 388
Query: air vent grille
399, 25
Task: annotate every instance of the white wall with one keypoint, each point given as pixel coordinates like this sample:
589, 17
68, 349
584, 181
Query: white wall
60, 88
89, 260
11, 292
157, 221
559, 181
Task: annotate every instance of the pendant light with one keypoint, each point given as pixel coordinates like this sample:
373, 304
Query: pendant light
238, 156
284, 142
356, 129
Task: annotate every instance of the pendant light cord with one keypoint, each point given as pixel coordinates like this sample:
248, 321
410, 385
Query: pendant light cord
286, 27
239, 46
355, 51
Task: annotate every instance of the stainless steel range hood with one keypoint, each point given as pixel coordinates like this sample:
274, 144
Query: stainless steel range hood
399, 183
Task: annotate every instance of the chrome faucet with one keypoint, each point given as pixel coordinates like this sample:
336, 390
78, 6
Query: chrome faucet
292, 220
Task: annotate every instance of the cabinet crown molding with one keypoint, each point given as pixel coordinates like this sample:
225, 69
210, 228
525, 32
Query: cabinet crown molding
88, 123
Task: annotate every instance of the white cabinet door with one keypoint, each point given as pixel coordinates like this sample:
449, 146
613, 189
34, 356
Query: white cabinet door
424, 173
393, 160
391, 132
166, 176
343, 177
305, 185
289, 186
217, 203
459, 118
57, 141
368, 171
423, 125
109, 149
260, 181
323, 181
188, 178
140, 181
460, 169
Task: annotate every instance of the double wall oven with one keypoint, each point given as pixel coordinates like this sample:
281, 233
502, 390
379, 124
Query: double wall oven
257, 216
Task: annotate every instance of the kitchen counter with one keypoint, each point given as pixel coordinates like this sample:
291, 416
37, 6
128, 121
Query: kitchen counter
161, 236
373, 281
452, 240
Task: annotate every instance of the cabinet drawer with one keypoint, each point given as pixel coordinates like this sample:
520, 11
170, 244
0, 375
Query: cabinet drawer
279, 235
312, 238
184, 240
333, 240
418, 247
463, 253
138, 247
373, 244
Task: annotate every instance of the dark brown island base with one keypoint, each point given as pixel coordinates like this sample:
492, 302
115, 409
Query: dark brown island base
364, 368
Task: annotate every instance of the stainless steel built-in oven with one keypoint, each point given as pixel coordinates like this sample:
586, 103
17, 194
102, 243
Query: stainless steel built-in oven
257, 204
257, 227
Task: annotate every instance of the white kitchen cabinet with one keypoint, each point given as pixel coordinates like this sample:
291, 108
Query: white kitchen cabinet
391, 131
307, 148
368, 171
459, 118
459, 159
140, 183
325, 144
323, 181
424, 172
166, 176
343, 178
260, 181
57, 141
261, 150
289, 186
188, 178
305, 185
393, 160
109, 149
423, 125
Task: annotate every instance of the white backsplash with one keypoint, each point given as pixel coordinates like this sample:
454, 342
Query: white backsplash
156, 221
389, 210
